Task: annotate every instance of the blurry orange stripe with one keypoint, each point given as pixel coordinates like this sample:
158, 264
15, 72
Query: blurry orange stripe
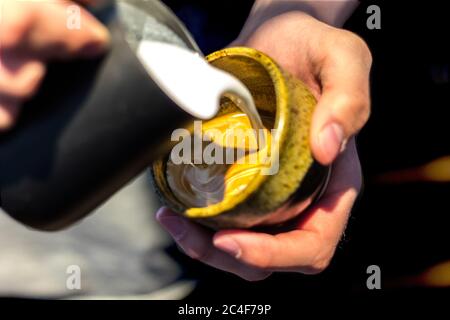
437, 170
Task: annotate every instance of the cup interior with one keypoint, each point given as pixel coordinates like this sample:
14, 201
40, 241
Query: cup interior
269, 89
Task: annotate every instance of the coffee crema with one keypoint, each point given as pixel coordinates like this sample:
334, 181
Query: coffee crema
241, 159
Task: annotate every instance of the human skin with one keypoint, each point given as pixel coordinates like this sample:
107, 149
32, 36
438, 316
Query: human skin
335, 64
31, 34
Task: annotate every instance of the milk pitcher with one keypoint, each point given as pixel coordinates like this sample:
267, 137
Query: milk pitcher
96, 124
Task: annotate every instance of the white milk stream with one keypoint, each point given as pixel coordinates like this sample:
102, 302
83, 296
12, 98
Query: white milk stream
192, 83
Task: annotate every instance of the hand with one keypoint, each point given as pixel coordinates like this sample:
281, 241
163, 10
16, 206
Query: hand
335, 64
31, 34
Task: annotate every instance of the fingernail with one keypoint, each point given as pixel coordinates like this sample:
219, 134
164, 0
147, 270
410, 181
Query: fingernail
175, 226
331, 139
229, 246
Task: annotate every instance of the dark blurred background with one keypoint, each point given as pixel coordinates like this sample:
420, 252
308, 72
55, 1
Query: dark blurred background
399, 223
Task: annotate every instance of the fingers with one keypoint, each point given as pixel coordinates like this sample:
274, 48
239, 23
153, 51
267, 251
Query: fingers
71, 30
310, 247
33, 32
196, 242
19, 76
19, 80
344, 105
290, 251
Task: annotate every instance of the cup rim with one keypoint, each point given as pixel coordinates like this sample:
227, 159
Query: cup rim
280, 85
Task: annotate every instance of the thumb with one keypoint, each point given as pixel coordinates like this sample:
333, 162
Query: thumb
343, 107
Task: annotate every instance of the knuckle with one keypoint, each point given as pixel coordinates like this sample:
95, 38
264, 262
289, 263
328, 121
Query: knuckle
357, 106
364, 114
363, 49
321, 260
366, 54
321, 265
318, 266
361, 107
357, 44
355, 39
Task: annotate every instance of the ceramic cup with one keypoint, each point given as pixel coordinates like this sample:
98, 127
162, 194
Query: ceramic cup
299, 180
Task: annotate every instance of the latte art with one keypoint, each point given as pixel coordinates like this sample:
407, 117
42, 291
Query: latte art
202, 185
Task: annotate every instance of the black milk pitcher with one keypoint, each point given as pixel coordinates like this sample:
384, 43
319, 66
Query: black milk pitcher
94, 125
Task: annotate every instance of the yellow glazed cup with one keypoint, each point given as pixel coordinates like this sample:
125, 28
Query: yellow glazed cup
268, 199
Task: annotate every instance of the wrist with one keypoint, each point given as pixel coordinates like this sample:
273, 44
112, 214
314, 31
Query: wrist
332, 12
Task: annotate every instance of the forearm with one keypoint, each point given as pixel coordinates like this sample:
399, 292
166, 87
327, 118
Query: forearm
332, 12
